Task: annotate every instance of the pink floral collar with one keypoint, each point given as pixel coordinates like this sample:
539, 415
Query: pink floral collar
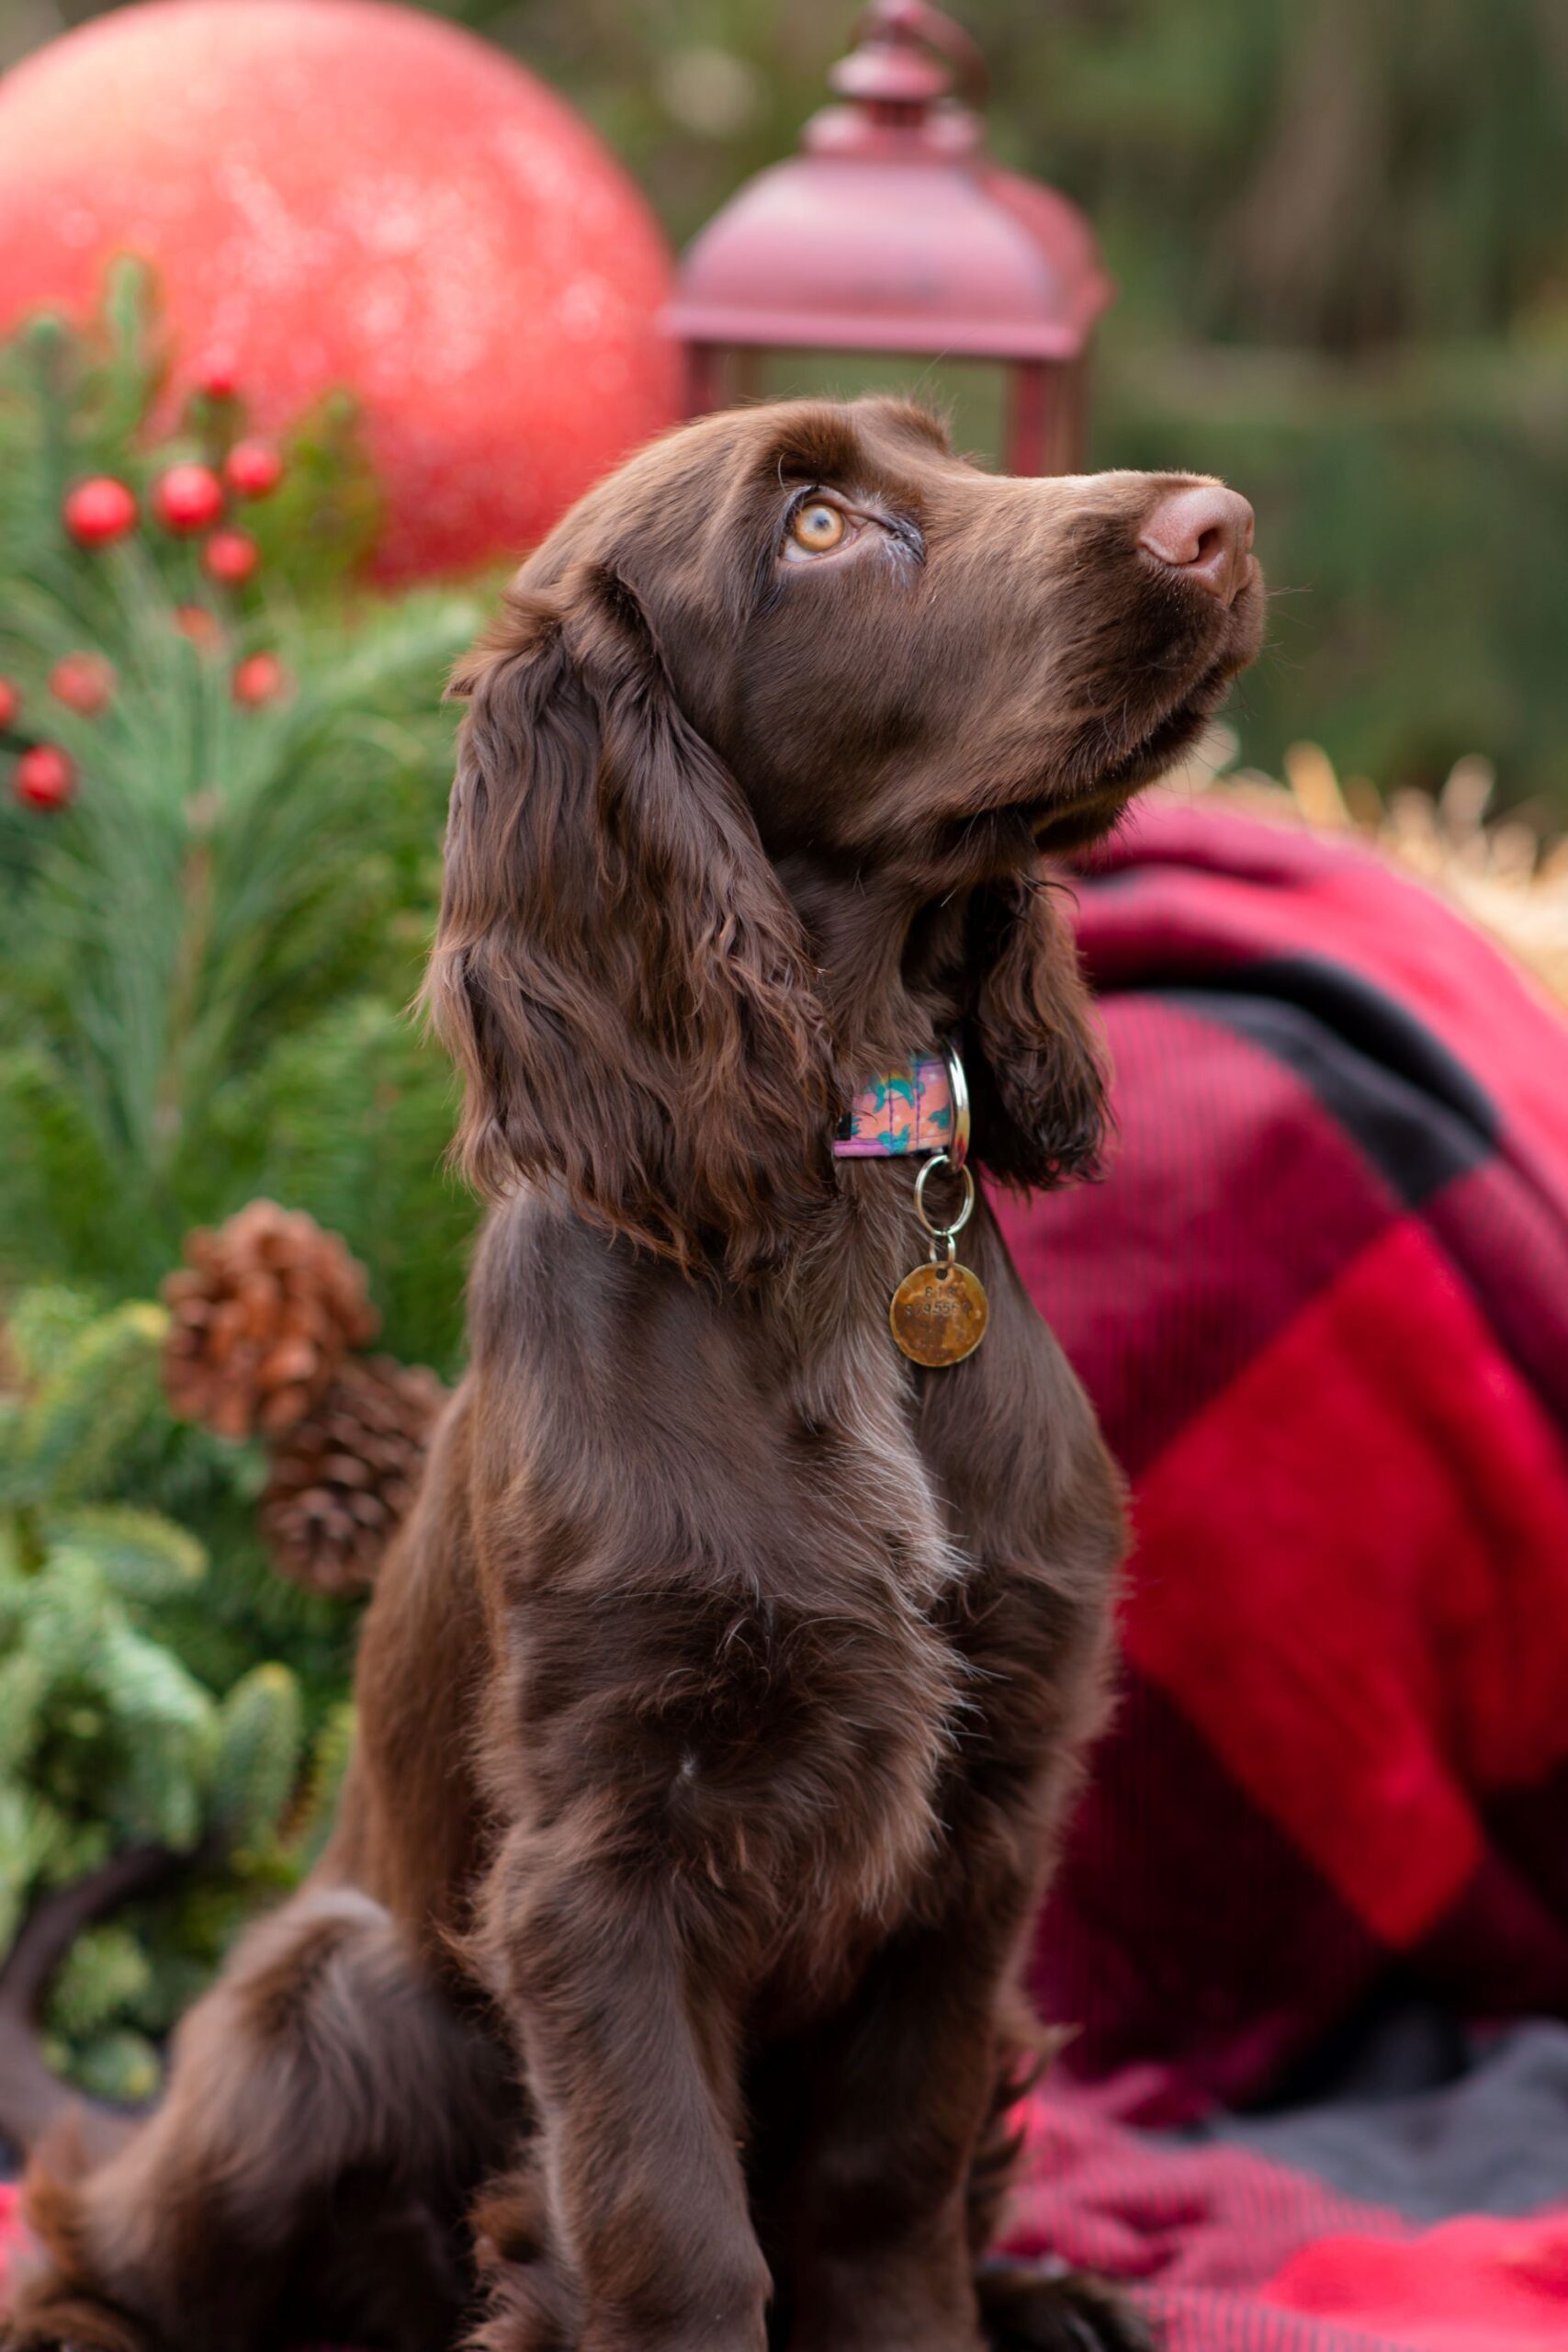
923, 1107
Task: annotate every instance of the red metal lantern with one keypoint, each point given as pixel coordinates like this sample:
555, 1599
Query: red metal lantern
892, 231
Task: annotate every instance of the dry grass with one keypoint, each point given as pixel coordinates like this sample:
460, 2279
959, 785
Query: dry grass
1505, 874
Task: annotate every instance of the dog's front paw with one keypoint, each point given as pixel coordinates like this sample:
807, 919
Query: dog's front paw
1043, 2311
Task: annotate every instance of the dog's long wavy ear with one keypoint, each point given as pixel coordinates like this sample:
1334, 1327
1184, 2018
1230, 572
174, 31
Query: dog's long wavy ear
616, 970
1038, 1074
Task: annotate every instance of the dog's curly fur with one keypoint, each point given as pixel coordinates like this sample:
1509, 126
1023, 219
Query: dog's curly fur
719, 1706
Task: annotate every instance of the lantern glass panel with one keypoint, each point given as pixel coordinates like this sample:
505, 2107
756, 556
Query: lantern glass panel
971, 394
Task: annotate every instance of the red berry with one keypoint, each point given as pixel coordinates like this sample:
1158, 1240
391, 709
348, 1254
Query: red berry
99, 510
45, 777
187, 498
261, 677
83, 681
230, 557
219, 380
253, 468
202, 627
10, 702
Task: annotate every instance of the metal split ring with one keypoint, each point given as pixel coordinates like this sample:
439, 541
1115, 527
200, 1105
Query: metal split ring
944, 1232
958, 1088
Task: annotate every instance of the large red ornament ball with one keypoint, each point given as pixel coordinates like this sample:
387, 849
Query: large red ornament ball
343, 193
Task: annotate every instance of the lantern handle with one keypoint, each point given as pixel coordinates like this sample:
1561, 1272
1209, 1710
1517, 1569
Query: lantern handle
916, 20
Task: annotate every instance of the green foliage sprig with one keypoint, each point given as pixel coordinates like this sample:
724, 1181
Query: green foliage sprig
204, 957
204, 960
109, 1740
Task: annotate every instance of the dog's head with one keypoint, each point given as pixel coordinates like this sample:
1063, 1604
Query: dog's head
791, 670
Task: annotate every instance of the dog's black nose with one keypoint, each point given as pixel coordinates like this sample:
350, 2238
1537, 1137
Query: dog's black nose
1203, 532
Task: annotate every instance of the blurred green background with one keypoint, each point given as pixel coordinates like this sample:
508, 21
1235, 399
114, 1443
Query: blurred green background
1341, 229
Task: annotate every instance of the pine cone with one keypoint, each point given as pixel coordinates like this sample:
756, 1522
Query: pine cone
343, 1479
265, 1309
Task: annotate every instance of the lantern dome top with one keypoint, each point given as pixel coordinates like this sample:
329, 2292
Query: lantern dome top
892, 230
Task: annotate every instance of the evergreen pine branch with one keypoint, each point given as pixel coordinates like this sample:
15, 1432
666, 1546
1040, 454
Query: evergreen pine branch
140, 1554
104, 1385
261, 1744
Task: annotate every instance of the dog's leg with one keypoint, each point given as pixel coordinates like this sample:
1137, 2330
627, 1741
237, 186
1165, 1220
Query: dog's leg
321, 2060
634, 2233
870, 2219
1041, 2307
900, 2147
896, 2114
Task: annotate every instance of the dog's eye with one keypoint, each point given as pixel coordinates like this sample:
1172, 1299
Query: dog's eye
817, 527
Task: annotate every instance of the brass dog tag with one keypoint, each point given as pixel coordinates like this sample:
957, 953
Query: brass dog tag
938, 1313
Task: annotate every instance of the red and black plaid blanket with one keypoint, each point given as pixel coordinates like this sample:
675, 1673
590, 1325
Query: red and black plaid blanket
1322, 1304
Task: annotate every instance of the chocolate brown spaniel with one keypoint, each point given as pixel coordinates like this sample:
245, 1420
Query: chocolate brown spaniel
719, 1707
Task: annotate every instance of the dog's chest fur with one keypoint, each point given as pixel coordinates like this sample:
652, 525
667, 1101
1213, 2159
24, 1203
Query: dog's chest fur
959, 1495
756, 1584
